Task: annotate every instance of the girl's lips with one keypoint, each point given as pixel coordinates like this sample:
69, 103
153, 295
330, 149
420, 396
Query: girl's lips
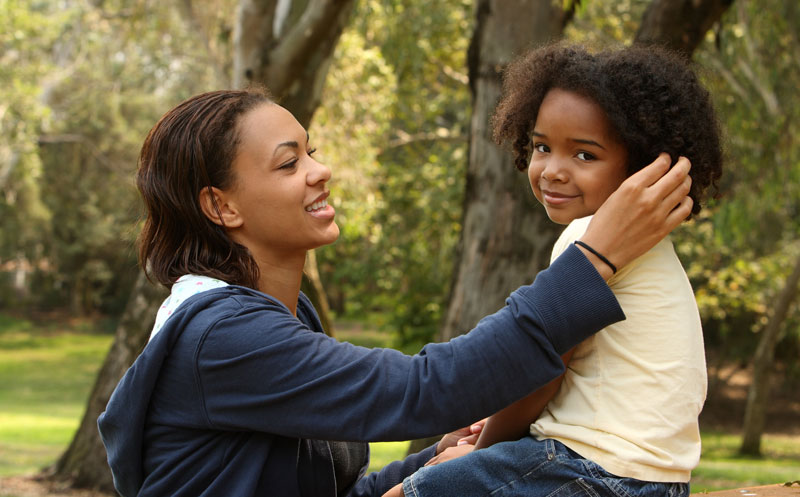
554, 198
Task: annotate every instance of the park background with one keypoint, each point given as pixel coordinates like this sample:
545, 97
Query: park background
437, 225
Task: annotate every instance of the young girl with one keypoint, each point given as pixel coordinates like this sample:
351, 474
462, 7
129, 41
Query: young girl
624, 421
239, 392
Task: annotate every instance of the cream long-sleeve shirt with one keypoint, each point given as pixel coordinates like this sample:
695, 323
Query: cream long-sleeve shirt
632, 393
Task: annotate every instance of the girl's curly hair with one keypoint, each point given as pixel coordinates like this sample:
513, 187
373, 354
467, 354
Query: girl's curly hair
651, 96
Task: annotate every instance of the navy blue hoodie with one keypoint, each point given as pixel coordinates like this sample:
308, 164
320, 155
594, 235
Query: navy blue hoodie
230, 395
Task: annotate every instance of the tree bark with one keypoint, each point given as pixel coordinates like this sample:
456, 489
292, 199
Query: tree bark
286, 46
680, 24
758, 395
506, 238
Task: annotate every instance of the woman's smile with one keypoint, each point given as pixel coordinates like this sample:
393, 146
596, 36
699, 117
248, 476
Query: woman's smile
320, 208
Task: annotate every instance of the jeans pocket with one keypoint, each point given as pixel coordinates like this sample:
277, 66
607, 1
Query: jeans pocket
575, 488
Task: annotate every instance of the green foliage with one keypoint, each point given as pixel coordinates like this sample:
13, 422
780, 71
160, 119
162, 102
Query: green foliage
28, 31
735, 289
402, 145
753, 77
747, 245
603, 22
86, 82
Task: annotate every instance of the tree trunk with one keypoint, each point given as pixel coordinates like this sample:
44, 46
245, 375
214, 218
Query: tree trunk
758, 396
506, 238
680, 24
292, 64
84, 462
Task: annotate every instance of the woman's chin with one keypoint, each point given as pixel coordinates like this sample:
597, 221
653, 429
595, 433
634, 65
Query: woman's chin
330, 236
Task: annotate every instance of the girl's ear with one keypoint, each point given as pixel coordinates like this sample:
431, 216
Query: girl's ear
224, 213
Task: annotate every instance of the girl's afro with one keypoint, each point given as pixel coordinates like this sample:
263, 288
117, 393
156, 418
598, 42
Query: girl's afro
651, 96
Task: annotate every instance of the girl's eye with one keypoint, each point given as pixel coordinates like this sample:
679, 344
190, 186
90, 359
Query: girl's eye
586, 156
541, 148
288, 165
311, 151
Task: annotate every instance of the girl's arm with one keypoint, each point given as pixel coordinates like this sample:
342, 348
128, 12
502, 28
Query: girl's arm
514, 421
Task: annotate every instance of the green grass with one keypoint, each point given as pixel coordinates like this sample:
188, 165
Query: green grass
46, 373
722, 468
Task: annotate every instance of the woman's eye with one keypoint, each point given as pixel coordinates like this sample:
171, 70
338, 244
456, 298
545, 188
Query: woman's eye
541, 148
288, 165
585, 156
311, 151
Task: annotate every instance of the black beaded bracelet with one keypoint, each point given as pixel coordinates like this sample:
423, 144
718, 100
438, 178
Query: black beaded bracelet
598, 254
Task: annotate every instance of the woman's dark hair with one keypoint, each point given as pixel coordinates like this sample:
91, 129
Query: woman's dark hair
192, 147
651, 97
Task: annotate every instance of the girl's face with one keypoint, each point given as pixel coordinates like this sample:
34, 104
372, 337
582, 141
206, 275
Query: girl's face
279, 191
576, 162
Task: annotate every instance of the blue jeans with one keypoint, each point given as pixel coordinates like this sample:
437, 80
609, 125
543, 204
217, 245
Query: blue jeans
529, 467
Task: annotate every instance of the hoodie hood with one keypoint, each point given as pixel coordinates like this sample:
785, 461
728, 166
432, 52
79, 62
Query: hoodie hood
122, 425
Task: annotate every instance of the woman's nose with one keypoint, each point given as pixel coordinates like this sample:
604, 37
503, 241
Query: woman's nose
318, 172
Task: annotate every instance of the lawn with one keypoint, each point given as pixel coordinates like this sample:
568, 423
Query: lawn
46, 372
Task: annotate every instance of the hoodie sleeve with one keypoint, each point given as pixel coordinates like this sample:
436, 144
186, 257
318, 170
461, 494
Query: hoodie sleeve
379, 482
259, 368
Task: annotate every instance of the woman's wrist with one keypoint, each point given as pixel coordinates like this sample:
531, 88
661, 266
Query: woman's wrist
602, 268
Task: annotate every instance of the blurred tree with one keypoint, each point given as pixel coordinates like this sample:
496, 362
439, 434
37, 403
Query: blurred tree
758, 395
397, 258
754, 78
27, 36
680, 24
505, 238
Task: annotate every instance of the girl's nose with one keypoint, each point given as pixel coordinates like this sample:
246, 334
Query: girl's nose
554, 170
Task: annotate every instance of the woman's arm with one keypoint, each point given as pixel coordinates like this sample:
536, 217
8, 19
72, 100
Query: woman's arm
277, 368
514, 421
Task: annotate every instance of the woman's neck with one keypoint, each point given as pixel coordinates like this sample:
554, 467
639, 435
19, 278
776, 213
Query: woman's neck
282, 280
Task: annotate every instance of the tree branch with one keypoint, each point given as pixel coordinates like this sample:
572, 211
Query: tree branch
252, 32
317, 24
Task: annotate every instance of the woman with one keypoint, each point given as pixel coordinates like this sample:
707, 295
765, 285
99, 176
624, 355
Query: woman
240, 393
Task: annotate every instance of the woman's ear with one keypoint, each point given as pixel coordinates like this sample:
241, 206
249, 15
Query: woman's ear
217, 207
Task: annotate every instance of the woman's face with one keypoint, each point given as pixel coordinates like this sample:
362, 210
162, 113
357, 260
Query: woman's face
576, 162
279, 191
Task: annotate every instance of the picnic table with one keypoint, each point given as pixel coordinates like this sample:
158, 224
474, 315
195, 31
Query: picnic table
775, 490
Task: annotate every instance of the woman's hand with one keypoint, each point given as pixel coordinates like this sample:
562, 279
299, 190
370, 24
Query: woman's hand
643, 210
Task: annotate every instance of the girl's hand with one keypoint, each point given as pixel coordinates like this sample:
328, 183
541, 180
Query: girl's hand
643, 210
450, 453
463, 436
395, 491
454, 444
